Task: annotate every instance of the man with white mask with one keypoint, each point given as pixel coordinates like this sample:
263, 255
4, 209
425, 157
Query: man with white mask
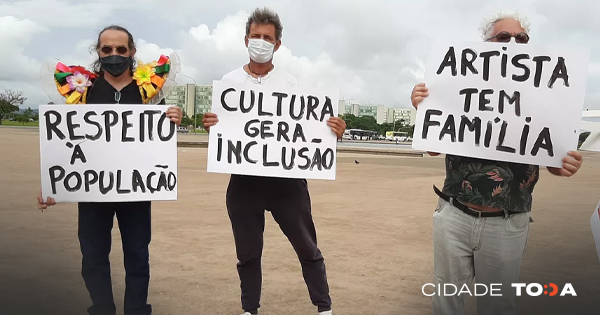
287, 199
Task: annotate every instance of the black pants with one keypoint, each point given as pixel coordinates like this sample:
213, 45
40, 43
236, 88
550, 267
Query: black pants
95, 226
289, 202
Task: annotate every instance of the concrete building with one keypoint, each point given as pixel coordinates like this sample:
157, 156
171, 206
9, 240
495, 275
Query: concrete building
203, 98
341, 107
381, 113
408, 115
375, 111
190, 96
347, 107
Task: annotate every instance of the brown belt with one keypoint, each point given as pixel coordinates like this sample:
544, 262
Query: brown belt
469, 211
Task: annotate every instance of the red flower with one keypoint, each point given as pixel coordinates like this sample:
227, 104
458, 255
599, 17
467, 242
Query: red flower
494, 176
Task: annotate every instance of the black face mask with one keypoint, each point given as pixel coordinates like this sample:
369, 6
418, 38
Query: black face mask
116, 65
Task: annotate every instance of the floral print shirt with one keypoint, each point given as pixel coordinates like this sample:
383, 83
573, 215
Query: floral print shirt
500, 185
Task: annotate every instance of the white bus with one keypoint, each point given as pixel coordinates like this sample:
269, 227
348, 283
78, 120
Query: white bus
359, 134
397, 136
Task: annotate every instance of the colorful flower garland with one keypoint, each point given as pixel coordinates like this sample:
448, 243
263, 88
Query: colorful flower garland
73, 82
151, 77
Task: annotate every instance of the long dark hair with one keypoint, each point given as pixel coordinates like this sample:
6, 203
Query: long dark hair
96, 66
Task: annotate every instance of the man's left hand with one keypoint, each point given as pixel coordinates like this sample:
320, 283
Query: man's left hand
175, 114
337, 125
571, 165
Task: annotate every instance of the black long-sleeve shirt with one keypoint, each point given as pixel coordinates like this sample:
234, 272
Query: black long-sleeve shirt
104, 93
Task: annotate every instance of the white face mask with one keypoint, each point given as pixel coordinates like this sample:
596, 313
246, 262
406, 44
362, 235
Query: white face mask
260, 51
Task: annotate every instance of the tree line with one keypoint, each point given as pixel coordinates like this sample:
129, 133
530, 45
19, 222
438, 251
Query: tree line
352, 122
370, 123
10, 100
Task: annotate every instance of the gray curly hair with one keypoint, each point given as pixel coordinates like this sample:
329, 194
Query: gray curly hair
265, 16
487, 26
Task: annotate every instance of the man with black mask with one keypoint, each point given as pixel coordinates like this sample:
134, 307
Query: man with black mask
114, 79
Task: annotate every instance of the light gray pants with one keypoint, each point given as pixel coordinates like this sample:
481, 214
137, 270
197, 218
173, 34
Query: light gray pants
487, 249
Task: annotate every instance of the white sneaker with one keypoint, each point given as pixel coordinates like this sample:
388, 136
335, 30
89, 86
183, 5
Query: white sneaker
246, 313
330, 312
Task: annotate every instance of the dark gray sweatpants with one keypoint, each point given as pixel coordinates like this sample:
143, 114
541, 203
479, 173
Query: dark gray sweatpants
288, 200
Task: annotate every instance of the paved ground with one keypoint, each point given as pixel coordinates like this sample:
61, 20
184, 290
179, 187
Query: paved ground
374, 228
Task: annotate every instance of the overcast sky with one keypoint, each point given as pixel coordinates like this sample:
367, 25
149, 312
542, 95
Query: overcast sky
372, 51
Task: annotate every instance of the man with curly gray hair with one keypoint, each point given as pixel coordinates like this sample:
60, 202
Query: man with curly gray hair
481, 223
489, 25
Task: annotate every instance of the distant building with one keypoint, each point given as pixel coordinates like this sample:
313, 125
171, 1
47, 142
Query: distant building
408, 115
375, 111
341, 107
190, 96
381, 113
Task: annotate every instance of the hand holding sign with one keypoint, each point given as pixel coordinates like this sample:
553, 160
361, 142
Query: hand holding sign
507, 102
419, 93
43, 205
265, 131
175, 114
209, 120
337, 125
108, 153
571, 165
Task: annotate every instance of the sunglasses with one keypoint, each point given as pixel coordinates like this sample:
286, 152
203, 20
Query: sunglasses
121, 50
504, 37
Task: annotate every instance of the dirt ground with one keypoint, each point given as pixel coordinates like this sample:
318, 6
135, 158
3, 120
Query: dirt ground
373, 224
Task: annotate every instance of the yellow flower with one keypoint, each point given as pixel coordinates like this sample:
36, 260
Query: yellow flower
144, 73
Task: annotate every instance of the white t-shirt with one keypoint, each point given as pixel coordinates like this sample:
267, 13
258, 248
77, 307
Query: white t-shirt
275, 77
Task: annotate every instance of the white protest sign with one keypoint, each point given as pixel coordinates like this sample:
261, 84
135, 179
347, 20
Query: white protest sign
275, 132
108, 153
503, 101
595, 223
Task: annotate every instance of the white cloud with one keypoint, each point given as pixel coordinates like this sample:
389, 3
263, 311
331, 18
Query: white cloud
371, 50
19, 71
15, 35
226, 35
58, 13
147, 51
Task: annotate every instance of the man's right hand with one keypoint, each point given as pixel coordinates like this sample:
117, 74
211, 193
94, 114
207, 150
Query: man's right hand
419, 93
44, 205
209, 120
